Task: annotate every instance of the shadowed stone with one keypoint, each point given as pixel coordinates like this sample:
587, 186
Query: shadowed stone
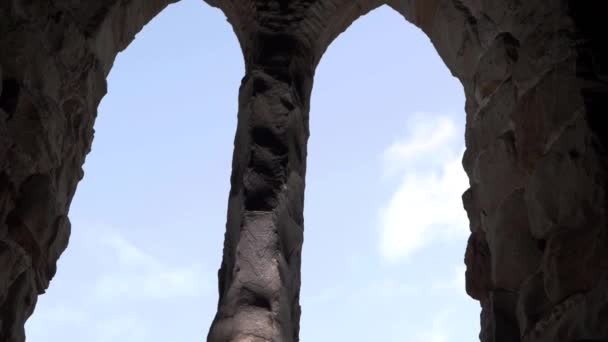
535, 78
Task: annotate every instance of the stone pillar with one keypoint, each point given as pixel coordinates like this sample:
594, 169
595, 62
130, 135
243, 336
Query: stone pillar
259, 279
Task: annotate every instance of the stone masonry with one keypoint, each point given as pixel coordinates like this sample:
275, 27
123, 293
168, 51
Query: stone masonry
535, 75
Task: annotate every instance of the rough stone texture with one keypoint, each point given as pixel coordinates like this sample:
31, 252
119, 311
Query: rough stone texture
535, 75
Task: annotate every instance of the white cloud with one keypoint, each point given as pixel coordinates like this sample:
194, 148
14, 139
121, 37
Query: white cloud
125, 252
116, 283
430, 139
137, 274
427, 203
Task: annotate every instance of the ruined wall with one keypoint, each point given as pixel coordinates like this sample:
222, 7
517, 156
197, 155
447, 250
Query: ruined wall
54, 58
535, 78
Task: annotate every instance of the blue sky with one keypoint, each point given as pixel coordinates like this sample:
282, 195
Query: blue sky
385, 230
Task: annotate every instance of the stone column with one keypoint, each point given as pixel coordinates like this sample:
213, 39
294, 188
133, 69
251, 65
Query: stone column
259, 279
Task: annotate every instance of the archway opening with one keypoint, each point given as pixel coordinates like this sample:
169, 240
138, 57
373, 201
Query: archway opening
385, 228
148, 218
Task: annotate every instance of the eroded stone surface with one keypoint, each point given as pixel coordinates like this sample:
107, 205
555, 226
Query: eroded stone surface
535, 76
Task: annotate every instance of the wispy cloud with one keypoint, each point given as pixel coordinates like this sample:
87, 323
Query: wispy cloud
426, 204
140, 275
429, 139
116, 279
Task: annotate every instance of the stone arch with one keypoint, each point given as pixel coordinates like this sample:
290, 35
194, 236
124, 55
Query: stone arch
534, 78
179, 94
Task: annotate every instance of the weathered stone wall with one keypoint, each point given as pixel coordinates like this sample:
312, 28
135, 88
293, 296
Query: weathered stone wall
538, 254
54, 58
535, 78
